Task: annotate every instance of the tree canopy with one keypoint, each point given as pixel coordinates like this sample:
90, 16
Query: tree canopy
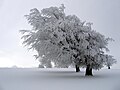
65, 39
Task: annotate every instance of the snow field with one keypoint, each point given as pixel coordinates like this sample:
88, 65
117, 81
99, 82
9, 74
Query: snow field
58, 79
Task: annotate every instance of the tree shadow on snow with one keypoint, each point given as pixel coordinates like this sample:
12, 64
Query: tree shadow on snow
68, 75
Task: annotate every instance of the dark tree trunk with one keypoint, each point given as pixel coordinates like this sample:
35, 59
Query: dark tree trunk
108, 67
77, 68
88, 71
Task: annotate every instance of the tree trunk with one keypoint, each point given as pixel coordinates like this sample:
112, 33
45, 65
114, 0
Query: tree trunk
88, 71
77, 68
108, 67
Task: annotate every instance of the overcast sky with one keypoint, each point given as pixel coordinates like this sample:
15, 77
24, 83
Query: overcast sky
104, 14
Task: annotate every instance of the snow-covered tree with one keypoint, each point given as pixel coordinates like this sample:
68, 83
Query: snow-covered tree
51, 29
109, 60
95, 50
64, 40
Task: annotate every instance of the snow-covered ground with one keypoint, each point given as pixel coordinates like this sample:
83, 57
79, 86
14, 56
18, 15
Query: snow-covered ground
58, 79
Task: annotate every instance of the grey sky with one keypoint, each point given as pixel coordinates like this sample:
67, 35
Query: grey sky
105, 15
